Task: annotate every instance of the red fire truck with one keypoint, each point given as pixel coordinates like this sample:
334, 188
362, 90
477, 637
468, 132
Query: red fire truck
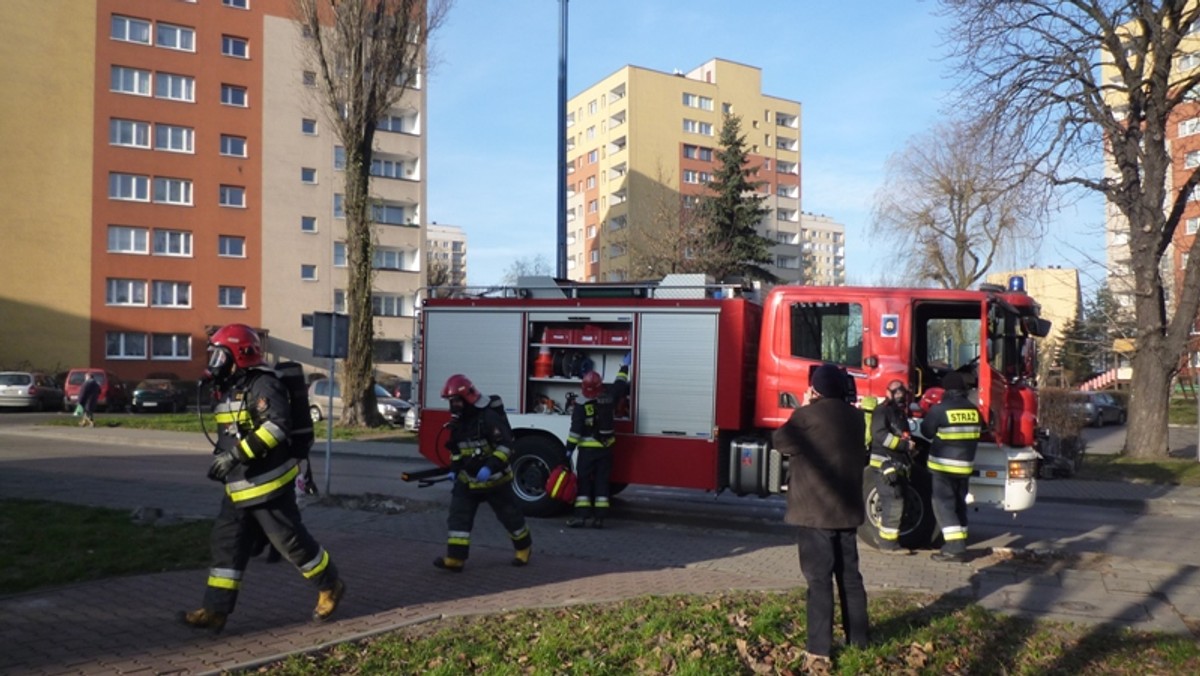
714, 370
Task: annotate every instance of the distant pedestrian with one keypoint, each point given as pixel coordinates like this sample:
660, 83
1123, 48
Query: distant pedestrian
591, 438
89, 396
823, 441
953, 425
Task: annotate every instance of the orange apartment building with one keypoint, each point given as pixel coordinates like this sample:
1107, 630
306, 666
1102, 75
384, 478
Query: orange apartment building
641, 143
167, 172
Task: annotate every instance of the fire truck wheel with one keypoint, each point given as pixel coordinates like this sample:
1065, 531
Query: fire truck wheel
918, 528
533, 458
615, 487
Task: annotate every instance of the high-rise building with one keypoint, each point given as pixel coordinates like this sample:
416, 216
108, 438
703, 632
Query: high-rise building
169, 168
822, 250
641, 147
446, 246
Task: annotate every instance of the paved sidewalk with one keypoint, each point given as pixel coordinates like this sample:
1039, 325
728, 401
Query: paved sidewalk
125, 625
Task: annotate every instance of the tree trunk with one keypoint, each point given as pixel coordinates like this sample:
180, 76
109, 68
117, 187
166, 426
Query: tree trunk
1146, 431
358, 395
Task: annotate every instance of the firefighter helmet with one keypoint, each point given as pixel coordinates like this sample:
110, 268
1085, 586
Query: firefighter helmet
931, 398
233, 344
593, 385
459, 385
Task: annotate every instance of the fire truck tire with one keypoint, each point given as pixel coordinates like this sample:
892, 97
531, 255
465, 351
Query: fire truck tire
614, 488
533, 458
918, 528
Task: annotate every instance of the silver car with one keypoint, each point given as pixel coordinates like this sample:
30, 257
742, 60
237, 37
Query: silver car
29, 389
391, 408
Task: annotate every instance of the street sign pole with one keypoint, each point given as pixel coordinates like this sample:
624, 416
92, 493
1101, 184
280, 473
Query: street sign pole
331, 338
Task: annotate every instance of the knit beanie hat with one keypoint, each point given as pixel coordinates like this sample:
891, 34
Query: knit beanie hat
827, 380
953, 381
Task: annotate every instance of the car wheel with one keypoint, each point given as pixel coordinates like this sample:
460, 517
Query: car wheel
38, 406
533, 458
1097, 421
1121, 418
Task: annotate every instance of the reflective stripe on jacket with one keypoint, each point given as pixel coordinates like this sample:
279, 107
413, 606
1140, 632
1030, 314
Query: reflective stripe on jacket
254, 421
954, 426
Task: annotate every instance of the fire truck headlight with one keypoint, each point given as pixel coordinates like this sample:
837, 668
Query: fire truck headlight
1022, 469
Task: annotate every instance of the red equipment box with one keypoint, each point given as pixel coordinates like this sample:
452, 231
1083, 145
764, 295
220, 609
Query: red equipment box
614, 336
588, 335
558, 336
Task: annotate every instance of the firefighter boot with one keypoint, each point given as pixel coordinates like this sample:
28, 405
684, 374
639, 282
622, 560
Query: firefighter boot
327, 601
204, 619
449, 563
521, 556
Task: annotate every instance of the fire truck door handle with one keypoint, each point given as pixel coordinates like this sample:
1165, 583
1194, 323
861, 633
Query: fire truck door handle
788, 400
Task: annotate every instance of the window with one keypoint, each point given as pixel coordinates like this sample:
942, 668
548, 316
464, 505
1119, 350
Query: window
401, 124
173, 138
308, 224
125, 345
1192, 159
1189, 127
828, 332
174, 87
595, 257
233, 146
339, 254
697, 127
593, 157
309, 78
172, 243
389, 214
124, 239
128, 29
392, 168
175, 37
308, 175
697, 153
170, 346
387, 305
389, 351
172, 191
308, 272
231, 246
171, 294
591, 182
388, 259
231, 296
236, 4
694, 101
339, 210
1189, 61
129, 187
129, 133
233, 95
1191, 226
308, 126
593, 206
232, 196
235, 47
125, 292
306, 321
130, 81
339, 300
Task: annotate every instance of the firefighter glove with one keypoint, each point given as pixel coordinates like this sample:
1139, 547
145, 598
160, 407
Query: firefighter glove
222, 465
484, 474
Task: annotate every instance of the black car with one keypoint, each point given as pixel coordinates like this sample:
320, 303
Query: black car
167, 396
1099, 408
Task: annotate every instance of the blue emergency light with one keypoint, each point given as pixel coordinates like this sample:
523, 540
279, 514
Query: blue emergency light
1016, 283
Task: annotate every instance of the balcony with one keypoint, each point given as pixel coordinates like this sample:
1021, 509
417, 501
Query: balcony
618, 171
619, 197
784, 143
616, 119
789, 121
616, 93
617, 145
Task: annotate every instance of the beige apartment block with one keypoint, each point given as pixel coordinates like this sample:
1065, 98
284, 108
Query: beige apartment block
446, 245
822, 250
641, 146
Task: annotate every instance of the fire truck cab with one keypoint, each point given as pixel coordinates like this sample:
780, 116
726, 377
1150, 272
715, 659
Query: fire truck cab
714, 370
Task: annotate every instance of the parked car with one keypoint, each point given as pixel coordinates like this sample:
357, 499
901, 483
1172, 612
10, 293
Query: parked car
391, 408
29, 389
160, 395
113, 394
1099, 408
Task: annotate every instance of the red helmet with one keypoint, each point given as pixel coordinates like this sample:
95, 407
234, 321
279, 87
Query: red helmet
242, 343
593, 385
931, 398
459, 385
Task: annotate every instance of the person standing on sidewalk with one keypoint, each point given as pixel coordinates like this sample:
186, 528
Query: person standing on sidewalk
953, 426
823, 441
592, 434
891, 444
89, 396
255, 461
479, 444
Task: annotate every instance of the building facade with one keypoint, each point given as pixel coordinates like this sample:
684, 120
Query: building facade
446, 246
822, 251
196, 184
641, 146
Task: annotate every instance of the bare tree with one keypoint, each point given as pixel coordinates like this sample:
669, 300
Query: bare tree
1095, 86
537, 266
955, 199
671, 235
438, 279
366, 54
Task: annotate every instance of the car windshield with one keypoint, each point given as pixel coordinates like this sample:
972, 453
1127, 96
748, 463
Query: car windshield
15, 379
381, 392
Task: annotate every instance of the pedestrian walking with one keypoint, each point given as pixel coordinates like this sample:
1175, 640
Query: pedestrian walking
89, 396
823, 441
480, 444
953, 426
255, 461
589, 448
891, 445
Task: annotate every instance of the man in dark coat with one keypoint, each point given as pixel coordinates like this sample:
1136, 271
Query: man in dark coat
89, 396
823, 442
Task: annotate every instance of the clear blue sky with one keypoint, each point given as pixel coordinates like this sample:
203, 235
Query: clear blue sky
869, 75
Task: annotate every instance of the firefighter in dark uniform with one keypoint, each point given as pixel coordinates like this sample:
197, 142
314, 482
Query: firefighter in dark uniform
891, 444
479, 445
592, 433
953, 426
254, 461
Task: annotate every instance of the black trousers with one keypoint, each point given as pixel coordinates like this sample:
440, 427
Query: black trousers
826, 556
891, 505
949, 496
235, 534
464, 503
594, 466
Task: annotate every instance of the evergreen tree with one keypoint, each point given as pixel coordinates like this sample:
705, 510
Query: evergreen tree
733, 211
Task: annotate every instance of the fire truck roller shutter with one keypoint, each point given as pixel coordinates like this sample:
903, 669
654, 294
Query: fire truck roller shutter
677, 373
485, 346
